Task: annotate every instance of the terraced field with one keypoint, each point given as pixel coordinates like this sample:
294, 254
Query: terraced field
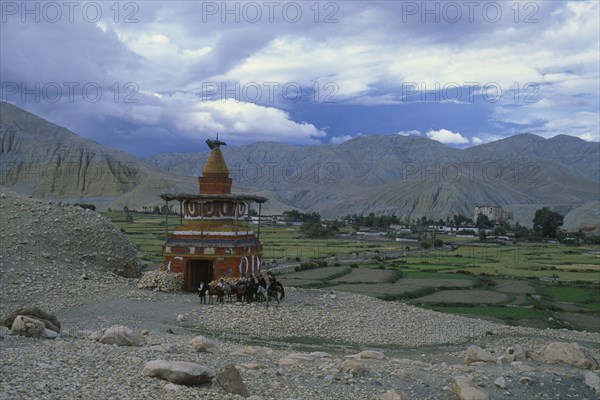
543, 284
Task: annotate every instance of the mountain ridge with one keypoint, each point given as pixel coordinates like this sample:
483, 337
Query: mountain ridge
409, 176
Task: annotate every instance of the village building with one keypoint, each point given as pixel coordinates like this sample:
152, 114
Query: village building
214, 240
494, 213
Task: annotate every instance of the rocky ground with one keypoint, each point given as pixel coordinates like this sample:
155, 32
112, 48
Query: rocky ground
51, 252
315, 345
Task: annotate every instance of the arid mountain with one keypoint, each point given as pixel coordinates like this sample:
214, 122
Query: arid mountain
47, 161
408, 176
413, 176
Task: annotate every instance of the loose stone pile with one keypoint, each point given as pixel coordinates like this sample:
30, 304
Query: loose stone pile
40, 230
51, 252
163, 281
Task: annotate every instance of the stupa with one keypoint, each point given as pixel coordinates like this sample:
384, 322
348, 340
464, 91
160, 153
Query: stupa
214, 240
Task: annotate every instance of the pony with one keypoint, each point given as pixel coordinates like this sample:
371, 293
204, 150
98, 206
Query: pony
275, 291
261, 293
211, 290
239, 290
220, 292
250, 291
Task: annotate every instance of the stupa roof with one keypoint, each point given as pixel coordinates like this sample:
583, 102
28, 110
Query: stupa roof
215, 166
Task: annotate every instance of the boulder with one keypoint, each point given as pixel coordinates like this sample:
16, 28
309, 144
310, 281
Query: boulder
230, 380
353, 367
501, 382
515, 353
97, 335
25, 326
569, 353
372, 354
121, 336
172, 387
50, 321
503, 359
300, 356
203, 344
402, 374
254, 351
50, 334
392, 395
477, 354
179, 372
465, 389
592, 380
163, 348
289, 361
525, 380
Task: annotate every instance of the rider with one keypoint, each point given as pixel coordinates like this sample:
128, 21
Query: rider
281, 289
261, 281
241, 280
221, 283
202, 288
272, 284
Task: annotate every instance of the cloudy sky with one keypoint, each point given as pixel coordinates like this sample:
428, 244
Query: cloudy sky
150, 77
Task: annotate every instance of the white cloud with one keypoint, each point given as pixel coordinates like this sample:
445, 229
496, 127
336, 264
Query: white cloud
242, 122
198, 52
341, 139
589, 137
413, 132
447, 137
581, 124
488, 137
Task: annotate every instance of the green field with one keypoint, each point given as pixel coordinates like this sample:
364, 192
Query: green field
282, 241
146, 232
532, 281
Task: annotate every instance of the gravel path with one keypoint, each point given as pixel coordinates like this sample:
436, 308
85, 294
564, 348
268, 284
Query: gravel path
339, 324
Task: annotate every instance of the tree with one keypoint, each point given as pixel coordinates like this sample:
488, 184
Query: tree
546, 222
483, 221
315, 230
460, 220
521, 231
425, 244
292, 216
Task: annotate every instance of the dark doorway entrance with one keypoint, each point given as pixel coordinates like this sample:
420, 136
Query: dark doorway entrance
198, 271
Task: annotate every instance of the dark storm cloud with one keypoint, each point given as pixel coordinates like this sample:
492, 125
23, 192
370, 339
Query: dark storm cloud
150, 60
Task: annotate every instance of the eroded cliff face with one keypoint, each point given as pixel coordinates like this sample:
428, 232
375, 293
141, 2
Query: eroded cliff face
50, 162
46, 161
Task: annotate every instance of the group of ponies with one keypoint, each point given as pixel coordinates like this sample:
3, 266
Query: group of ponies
245, 292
